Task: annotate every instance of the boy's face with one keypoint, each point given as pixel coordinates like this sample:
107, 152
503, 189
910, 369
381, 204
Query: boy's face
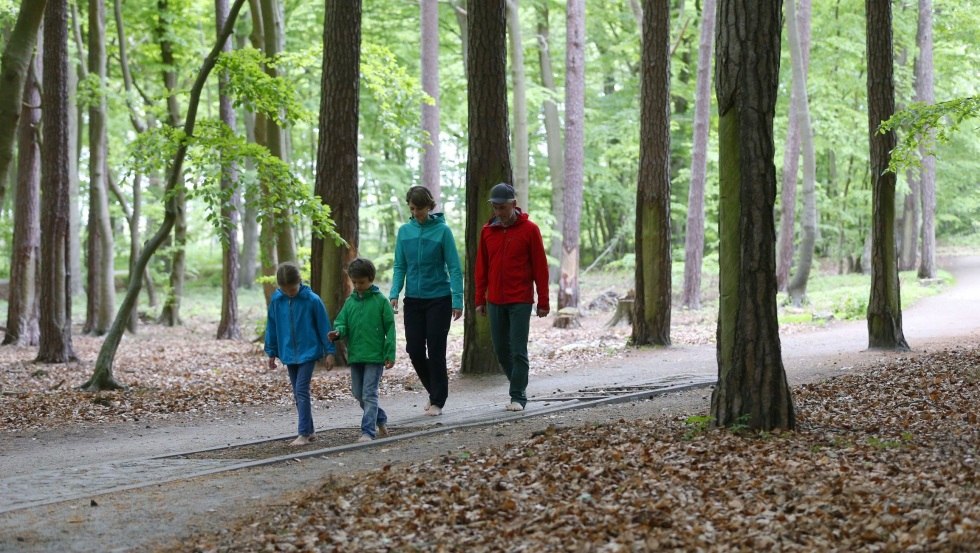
290, 289
362, 284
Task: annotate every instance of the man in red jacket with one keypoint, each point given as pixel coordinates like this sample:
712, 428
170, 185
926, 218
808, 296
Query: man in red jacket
510, 261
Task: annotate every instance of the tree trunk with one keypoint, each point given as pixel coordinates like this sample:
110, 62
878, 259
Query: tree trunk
522, 180
14, 66
798, 27
552, 126
228, 326
488, 158
885, 304
102, 378
23, 309
752, 388
101, 257
54, 344
460, 10
250, 224
651, 309
430, 85
694, 231
568, 290
910, 223
924, 92
336, 175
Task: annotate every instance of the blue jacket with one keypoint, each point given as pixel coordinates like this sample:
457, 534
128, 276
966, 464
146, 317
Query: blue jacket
426, 262
296, 329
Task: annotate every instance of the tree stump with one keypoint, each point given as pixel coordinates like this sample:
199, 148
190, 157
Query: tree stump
624, 310
567, 318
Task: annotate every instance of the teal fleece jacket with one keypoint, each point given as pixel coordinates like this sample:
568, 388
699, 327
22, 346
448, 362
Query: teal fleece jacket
367, 322
426, 262
296, 328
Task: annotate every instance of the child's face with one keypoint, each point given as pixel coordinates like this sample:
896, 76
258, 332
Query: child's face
290, 289
362, 284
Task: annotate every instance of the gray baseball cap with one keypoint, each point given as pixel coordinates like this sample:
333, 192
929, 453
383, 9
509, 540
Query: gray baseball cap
502, 193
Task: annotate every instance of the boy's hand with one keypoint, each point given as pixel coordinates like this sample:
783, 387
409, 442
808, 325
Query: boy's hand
389, 363
333, 335
272, 363
329, 361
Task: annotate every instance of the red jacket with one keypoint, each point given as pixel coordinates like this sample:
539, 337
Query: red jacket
509, 262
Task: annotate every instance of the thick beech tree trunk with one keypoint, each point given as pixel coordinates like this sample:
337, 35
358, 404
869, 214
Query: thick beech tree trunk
552, 126
488, 158
651, 309
694, 231
430, 84
885, 304
336, 174
17, 55
568, 289
752, 388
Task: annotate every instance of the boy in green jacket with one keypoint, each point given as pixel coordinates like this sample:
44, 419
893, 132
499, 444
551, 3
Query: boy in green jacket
367, 322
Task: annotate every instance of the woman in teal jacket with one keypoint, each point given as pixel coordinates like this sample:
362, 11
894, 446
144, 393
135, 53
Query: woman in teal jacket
427, 266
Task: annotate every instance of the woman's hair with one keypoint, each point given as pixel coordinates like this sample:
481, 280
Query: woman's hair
361, 268
419, 196
287, 274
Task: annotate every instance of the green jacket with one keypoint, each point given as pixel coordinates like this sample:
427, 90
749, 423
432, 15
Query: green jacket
368, 324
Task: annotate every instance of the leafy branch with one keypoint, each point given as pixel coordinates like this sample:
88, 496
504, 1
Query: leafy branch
926, 126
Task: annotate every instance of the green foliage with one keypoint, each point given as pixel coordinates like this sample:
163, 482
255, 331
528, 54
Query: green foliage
254, 89
925, 126
697, 425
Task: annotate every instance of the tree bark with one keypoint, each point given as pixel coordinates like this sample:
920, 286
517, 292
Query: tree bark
651, 309
925, 92
568, 289
552, 125
752, 388
14, 66
336, 175
910, 223
23, 309
522, 180
228, 325
488, 158
101, 257
102, 378
885, 304
694, 231
54, 345
430, 85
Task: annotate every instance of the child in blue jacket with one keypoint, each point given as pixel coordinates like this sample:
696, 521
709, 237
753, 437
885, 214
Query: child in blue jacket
296, 332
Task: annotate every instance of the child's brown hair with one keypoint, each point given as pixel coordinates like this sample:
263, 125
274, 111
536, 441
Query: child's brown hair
288, 274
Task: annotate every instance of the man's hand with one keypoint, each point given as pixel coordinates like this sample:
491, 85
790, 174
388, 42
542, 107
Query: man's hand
272, 363
481, 310
333, 335
543, 311
457, 313
394, 305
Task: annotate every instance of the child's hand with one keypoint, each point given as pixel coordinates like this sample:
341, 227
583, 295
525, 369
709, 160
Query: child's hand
333, 335
329, 361
272, 363
389, 363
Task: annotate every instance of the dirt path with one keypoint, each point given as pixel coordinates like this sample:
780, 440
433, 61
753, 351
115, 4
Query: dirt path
131, 520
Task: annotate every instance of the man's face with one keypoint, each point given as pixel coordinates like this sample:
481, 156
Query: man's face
362, 284
290, 289
504, 211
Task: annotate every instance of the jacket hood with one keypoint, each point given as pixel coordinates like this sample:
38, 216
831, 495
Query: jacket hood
434, 219
495, 222
305, 292
367, 294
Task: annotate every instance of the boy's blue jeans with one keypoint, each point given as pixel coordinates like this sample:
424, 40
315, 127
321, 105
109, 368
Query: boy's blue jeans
299, 377
509, 328
364, 381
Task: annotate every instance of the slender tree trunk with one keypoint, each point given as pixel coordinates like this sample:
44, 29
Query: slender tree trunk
488, 158
694, 231
54, 345
910, 223
800, 58
430, 84
752, 388
336, 175
101, 258
23, 309
552, 125
102, 378
74, 211
925, 92
14, 65
250, 225
568, 290
460, 10
885, 304
522, 180
651, 307
228, 326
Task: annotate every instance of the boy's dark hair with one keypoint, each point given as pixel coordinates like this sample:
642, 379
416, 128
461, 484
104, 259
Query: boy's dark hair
362, 268
287, 274
420, 196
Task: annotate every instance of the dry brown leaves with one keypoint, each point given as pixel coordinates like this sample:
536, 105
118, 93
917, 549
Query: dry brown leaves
882, 461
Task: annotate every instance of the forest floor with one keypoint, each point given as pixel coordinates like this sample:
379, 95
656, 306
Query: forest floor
884, 456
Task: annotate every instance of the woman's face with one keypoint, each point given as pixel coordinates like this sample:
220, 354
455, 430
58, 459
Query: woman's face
421, 214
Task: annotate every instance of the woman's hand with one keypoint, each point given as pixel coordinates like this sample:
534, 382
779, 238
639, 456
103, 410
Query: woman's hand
394, 305
457, 313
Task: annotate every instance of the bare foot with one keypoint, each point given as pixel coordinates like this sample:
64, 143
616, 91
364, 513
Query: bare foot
300, 440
